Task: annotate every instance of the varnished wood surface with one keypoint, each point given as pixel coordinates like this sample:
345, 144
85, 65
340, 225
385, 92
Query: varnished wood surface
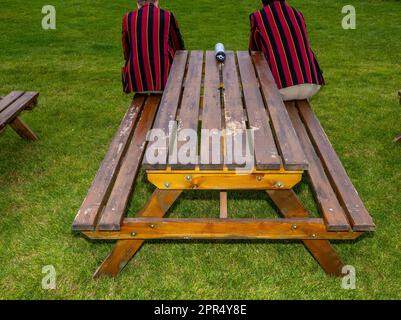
326, 198
121, 193
346, 193
98, 194
156, 228
235, 99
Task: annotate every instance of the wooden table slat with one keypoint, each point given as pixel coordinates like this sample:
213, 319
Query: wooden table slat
211, 116
9, 99
287, 141
169, 103
15, 108
188, 117
235, 119
266, 154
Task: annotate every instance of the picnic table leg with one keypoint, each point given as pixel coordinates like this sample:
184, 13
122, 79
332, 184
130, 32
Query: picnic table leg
23, 130
290, 206
123, 251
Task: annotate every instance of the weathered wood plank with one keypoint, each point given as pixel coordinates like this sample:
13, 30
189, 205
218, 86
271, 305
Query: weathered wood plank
99, 192
235, 118
290, 207
160, 228
188, 117
266, 155
325, 196
287, 141
168, 106
116, 205
9, 99
211, 117
341, 183
15, 108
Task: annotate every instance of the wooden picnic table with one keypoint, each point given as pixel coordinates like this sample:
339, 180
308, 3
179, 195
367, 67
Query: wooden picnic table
11, 106
288, 142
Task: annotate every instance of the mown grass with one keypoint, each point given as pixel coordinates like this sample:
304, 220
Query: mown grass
76, 68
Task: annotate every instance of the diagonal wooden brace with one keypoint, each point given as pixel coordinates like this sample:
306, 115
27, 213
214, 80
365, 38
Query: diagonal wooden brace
23, 130
291, 207
124, 250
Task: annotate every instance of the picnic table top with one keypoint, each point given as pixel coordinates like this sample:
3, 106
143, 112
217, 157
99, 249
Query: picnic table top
226, 101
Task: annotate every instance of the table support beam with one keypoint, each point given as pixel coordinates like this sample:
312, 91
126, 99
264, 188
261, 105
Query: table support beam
124, 250
23, 130
223, 205
291, 207
151, 228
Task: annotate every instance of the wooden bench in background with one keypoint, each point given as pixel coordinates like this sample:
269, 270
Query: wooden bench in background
398, 138
11, 107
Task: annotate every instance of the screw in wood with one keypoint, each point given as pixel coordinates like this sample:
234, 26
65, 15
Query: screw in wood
133, 234
152, 226
279, 184
294, 226
167, 184
188, 178
259, 178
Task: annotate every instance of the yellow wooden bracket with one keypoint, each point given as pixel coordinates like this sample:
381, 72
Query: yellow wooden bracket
224, 179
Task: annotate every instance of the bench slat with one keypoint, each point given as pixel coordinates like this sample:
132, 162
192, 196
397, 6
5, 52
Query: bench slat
101, 187
235, 119
15, 108
211, 114
9, 99
115, 208
345, 190
326, 198
266, 155
188, 117
169, 103
287, 140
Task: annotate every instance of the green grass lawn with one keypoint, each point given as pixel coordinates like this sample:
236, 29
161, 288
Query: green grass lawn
76, 69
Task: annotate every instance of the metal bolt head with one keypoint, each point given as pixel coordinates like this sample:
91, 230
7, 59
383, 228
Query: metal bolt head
152, 226
259, 178
133, 234
314, 235
279, 184
188, 178
294, 226
167, 184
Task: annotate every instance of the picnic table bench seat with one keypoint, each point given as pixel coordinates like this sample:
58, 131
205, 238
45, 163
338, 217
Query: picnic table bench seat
289, 140
11, 107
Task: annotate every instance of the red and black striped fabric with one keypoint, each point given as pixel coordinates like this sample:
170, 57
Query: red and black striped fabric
150, 39
280, 32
